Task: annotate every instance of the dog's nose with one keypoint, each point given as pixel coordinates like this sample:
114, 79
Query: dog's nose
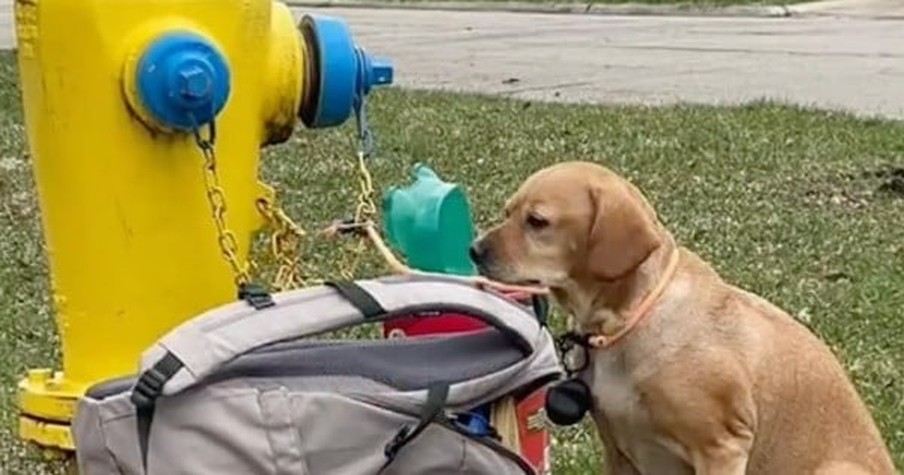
477, 252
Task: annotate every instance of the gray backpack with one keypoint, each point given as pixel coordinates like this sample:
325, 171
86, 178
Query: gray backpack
242, 389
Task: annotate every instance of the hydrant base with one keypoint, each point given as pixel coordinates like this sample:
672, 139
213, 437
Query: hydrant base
46, 404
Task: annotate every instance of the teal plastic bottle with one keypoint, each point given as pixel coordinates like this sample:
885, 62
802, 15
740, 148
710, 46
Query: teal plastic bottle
429, 222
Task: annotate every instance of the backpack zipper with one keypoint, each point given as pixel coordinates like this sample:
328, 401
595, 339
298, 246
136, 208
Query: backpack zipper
486, 441
490, 443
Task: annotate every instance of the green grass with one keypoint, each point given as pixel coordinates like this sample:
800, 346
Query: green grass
799, 206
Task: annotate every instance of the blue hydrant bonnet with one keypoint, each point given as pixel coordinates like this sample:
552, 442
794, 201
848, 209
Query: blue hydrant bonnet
183, 81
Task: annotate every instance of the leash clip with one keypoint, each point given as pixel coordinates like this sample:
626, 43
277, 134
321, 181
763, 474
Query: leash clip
575, 351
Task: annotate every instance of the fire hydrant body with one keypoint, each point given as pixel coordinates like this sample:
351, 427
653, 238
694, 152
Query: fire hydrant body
114, 93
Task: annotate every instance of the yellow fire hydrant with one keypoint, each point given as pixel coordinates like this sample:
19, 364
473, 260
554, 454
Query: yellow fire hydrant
117, 97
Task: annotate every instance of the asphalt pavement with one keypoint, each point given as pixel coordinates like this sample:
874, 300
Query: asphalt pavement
836, 54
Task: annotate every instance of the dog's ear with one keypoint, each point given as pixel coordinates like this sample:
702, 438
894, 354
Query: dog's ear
621, 236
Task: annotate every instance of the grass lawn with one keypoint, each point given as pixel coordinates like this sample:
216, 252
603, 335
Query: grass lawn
802, 207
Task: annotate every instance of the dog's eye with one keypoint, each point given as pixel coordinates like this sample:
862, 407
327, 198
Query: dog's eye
536, 222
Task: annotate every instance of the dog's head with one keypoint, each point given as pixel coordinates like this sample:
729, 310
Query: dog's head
571, 221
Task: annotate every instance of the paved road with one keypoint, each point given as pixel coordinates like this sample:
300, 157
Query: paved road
7, 39
848, 62
851, 63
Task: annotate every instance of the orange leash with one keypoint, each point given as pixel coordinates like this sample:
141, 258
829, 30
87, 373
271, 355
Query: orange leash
399, 267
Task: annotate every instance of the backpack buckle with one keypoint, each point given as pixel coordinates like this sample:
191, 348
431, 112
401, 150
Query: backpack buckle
256, 296
392, 447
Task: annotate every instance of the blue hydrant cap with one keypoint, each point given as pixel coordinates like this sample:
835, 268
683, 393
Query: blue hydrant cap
183, 80
342, 71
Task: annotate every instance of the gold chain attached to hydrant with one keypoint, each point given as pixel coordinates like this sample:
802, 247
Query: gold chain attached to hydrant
366, 209
286, 239
217, 199
365, 215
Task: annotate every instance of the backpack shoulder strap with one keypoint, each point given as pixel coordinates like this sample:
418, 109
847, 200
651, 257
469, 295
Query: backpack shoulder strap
359, 298
208, 341
198, 347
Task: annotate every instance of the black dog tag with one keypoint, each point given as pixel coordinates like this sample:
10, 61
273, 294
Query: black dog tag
568, 401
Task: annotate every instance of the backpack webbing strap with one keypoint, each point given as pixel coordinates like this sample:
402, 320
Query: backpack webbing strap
144, 396
436, 401
357, 296
256, 296
540, 305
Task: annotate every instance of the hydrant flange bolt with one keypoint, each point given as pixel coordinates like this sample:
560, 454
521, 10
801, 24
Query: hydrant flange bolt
195, 83
39, 376
182, 81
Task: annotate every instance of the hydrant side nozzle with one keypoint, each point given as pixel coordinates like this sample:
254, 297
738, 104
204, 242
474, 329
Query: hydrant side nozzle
372, 71
383, 72
338, 72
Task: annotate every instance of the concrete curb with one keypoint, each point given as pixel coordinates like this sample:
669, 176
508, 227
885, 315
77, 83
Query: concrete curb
762, 11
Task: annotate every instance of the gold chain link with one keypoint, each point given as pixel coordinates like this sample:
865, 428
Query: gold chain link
287, 237
365, 212
285, 240
285, 244
216, 197
366, 208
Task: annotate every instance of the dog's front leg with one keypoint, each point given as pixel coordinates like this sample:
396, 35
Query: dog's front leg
615, 462
728, 457
706, 406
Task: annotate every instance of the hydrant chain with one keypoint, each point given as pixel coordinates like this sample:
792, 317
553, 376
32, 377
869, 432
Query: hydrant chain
366, 207
216, 197
285, 244
365, 137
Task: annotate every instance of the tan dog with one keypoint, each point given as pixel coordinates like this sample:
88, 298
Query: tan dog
690, 375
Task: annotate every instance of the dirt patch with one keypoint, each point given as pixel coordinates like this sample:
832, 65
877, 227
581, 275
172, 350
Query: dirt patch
892, 181
857, 190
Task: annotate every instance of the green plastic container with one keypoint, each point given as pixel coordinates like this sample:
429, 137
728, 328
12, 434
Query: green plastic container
429, 222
